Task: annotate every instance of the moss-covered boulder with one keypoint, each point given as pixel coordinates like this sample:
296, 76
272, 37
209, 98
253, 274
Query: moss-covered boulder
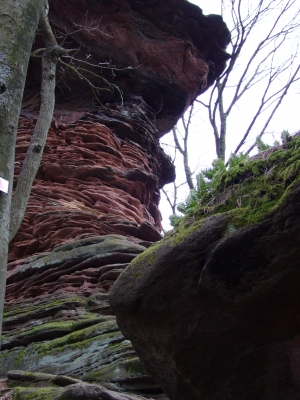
213, 309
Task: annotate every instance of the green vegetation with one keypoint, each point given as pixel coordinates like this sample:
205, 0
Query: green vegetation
31, 310
129, 368
47, 393
248, 188
82, 333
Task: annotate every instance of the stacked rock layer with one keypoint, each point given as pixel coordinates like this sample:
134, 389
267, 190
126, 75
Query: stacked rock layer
94, 202
94, 180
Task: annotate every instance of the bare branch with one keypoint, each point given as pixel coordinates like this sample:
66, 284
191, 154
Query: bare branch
261, 32
260, 66
172, 200
279, 101
82, 73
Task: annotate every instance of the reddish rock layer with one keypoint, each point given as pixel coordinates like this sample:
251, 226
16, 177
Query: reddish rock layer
82, 267
92, 181
165, 51
100, 175
103, 167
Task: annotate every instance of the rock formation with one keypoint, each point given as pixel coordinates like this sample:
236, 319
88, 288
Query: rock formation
94, 203
213, 309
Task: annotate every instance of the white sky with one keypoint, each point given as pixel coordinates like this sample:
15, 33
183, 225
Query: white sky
201, 143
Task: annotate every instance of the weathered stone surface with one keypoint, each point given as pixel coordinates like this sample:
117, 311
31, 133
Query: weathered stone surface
213, 309
92, 181
58, 320
80, 267
94, 202
59, 387
166, 51
103, 167
65, 335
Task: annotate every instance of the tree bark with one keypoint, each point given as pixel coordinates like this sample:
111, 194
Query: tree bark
18, 24
35, 150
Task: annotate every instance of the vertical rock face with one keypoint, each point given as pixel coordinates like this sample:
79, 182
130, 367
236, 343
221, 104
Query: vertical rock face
94, 203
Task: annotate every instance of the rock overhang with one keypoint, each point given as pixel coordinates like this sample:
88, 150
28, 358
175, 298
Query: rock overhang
167, 52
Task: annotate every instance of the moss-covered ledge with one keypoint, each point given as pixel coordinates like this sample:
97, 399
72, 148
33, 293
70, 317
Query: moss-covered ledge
253, 188
248, 196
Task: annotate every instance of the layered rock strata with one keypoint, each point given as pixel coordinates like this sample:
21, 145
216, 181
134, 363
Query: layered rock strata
94, 202
58, 319
98, 175
61, 387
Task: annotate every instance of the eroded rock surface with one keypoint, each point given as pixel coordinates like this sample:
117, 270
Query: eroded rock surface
59, 387
94, 180
83, 267
103, 167
213, 309
58, 320
94, 202
166, 51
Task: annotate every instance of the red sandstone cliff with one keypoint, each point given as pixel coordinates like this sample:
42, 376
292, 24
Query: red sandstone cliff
94, 203
102, 167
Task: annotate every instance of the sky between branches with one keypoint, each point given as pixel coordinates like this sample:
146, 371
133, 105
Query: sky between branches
201, 142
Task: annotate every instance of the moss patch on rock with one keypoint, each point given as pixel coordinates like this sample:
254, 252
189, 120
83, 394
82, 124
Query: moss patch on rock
48, 393
251, 190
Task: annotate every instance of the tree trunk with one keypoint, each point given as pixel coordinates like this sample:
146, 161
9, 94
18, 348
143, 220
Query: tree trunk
18, 24
223, 124
35, 150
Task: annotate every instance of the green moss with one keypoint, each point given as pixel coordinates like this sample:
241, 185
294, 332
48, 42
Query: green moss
148, 257
186, 228
77, 338
293, 144
278, 156
105, 332
27, 384
127, 369
20, 357
134, 367
230, 229
253, 189
36, 330
20, 393
51, 330
28, 310
291, 171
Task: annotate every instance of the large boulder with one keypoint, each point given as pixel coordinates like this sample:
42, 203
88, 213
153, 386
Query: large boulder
213, 309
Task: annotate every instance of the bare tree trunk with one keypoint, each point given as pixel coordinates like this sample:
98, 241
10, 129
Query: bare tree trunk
18, 24
184, 149
223, 125
264, 67
35, 150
